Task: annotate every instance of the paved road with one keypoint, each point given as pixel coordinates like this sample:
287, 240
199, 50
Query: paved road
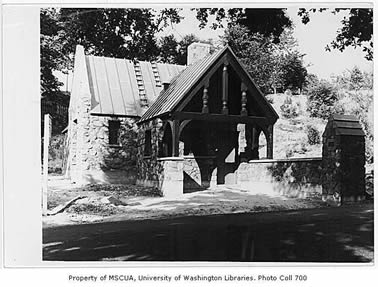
343, 234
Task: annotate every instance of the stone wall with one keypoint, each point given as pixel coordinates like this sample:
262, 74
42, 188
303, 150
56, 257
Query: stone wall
290, 177
148, 166
94, 160
344, 169
170, 178
199, 172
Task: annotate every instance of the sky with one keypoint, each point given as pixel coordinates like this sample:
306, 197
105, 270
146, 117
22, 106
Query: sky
312, 39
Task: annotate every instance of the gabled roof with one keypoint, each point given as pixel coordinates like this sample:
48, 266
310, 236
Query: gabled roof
169, 99
121, 87
344, 125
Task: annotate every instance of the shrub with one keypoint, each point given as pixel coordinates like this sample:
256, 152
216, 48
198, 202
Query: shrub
322, 99
56, 153
313, 135
289, 109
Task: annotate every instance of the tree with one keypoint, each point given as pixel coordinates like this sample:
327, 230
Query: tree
128, 33
266, 21
175, 52
168, 46
356, 30
293, 71
322, 99
356, 78
311, 81
255, 52
271, 65
124, 33
52, 59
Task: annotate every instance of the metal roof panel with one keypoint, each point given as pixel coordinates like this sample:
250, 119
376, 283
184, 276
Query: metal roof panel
114, 87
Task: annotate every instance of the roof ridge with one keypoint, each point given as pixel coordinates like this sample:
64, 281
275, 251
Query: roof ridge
136, 60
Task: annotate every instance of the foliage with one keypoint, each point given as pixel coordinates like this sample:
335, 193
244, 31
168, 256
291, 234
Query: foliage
168, 49
360, 104
313, 135
311, 81
176, 52
355, 80
322, 99
293, 71
51, 59
356, 30
267, 22
289, 109
255, 52
124, 33
271, 65
56, 153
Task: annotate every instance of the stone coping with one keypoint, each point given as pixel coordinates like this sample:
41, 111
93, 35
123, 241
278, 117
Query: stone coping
285, 160
200, 157
171, 158
181, 158
178, 158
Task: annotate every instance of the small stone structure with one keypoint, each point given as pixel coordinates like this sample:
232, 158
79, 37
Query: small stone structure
343, 159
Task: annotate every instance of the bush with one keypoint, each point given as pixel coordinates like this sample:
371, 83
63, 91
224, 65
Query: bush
322, 100
56, 154
313, 135
289, 109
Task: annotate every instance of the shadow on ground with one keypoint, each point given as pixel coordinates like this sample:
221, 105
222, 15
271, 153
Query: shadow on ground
342, 234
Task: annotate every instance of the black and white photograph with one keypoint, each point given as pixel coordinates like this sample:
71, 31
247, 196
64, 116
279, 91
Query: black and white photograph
222, 134
187, 143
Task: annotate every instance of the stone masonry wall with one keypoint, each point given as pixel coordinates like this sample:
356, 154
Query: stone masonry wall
290, 177
149, 167
199, 172
93, 159
102, 162
344, 168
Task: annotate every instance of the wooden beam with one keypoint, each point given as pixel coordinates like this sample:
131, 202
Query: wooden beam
261, 121
269, 142
243, 111
250, 85
175, 137
201, 83
225, 89
183, 124
205, 98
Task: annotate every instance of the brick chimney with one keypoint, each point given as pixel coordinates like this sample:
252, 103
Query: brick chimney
197, 51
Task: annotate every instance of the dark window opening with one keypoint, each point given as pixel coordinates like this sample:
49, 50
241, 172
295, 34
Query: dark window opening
114, 132
147, 143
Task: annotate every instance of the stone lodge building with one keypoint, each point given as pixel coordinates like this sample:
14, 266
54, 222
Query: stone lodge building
170, 126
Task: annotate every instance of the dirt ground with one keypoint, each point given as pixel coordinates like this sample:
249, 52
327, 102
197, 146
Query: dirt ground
130, 202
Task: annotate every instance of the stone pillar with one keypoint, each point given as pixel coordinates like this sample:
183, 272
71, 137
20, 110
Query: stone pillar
171, 178
343, 177
269, 142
